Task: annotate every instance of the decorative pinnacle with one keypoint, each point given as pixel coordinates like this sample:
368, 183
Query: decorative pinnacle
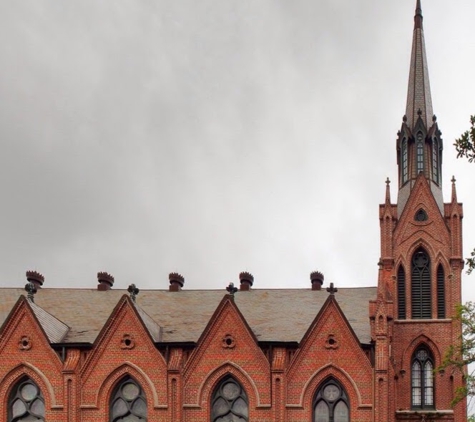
231, 289
134, 291
31, 290
332, 289
388, 191
454, 190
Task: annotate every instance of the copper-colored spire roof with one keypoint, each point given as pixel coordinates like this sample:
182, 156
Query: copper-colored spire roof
418, 93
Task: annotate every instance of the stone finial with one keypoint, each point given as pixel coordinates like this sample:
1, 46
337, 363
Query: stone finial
134, 291
231, 289
31, 291
404, 118
332, 289
106, 281
36, 278
316, 277
247, 280
177, 281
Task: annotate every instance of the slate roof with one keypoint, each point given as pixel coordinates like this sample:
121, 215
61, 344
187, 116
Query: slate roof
277, 315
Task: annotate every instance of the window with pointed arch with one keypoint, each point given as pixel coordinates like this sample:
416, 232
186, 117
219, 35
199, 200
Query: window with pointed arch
404, 161
401, 293
421, 300
26, 402
420, 153
229, 402
422, 379
128, 402
331, 403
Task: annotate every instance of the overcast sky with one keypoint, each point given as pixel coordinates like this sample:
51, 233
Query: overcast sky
212, 137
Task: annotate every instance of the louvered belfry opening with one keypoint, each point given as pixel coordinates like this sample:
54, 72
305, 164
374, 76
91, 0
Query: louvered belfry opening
420, 285
401, 293
440, 292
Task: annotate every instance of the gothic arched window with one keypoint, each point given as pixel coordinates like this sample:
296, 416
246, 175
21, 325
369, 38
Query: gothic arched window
128, 403
404, 161
420, 285
420, 153
331, 403
440, 292
401, 293
26, 402
229, 402
435, 161
422, 379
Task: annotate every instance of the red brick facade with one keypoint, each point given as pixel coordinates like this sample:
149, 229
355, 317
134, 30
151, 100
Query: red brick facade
379, 362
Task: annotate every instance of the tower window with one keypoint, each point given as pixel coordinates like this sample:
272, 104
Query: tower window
331, 403
420, 153
421, 215
420, 285
26, 403
128, 402
435, 161
401, 293
229, 402
422, 380
440, 292
404, 161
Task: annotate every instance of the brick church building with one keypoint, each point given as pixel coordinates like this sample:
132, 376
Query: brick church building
255, 355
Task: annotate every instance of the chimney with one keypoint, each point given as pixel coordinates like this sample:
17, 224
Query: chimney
105, 281
176, 282
36, 278
317, 280
247, 280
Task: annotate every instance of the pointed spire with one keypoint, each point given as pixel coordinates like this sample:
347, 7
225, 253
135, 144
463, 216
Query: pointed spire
388, 191
454, 191
418, 94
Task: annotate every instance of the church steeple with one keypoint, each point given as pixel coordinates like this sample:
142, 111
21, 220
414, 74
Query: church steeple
418, 93
419, 144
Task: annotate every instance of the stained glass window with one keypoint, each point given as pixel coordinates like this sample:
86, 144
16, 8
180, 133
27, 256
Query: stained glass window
229, 403
128, 403
26, 402
422, 379
331, 403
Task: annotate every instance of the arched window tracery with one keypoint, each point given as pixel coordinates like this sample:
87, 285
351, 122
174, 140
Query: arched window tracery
128, 403
422, 379
229, 402
331, 403
26, 402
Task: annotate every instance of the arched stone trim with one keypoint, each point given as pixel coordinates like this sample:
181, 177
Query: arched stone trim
215, 376
419, 341
109, 383
28, 370
421, 243
310, 388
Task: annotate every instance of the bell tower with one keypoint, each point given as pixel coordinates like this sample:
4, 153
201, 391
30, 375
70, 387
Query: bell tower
419, 278
419, 145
